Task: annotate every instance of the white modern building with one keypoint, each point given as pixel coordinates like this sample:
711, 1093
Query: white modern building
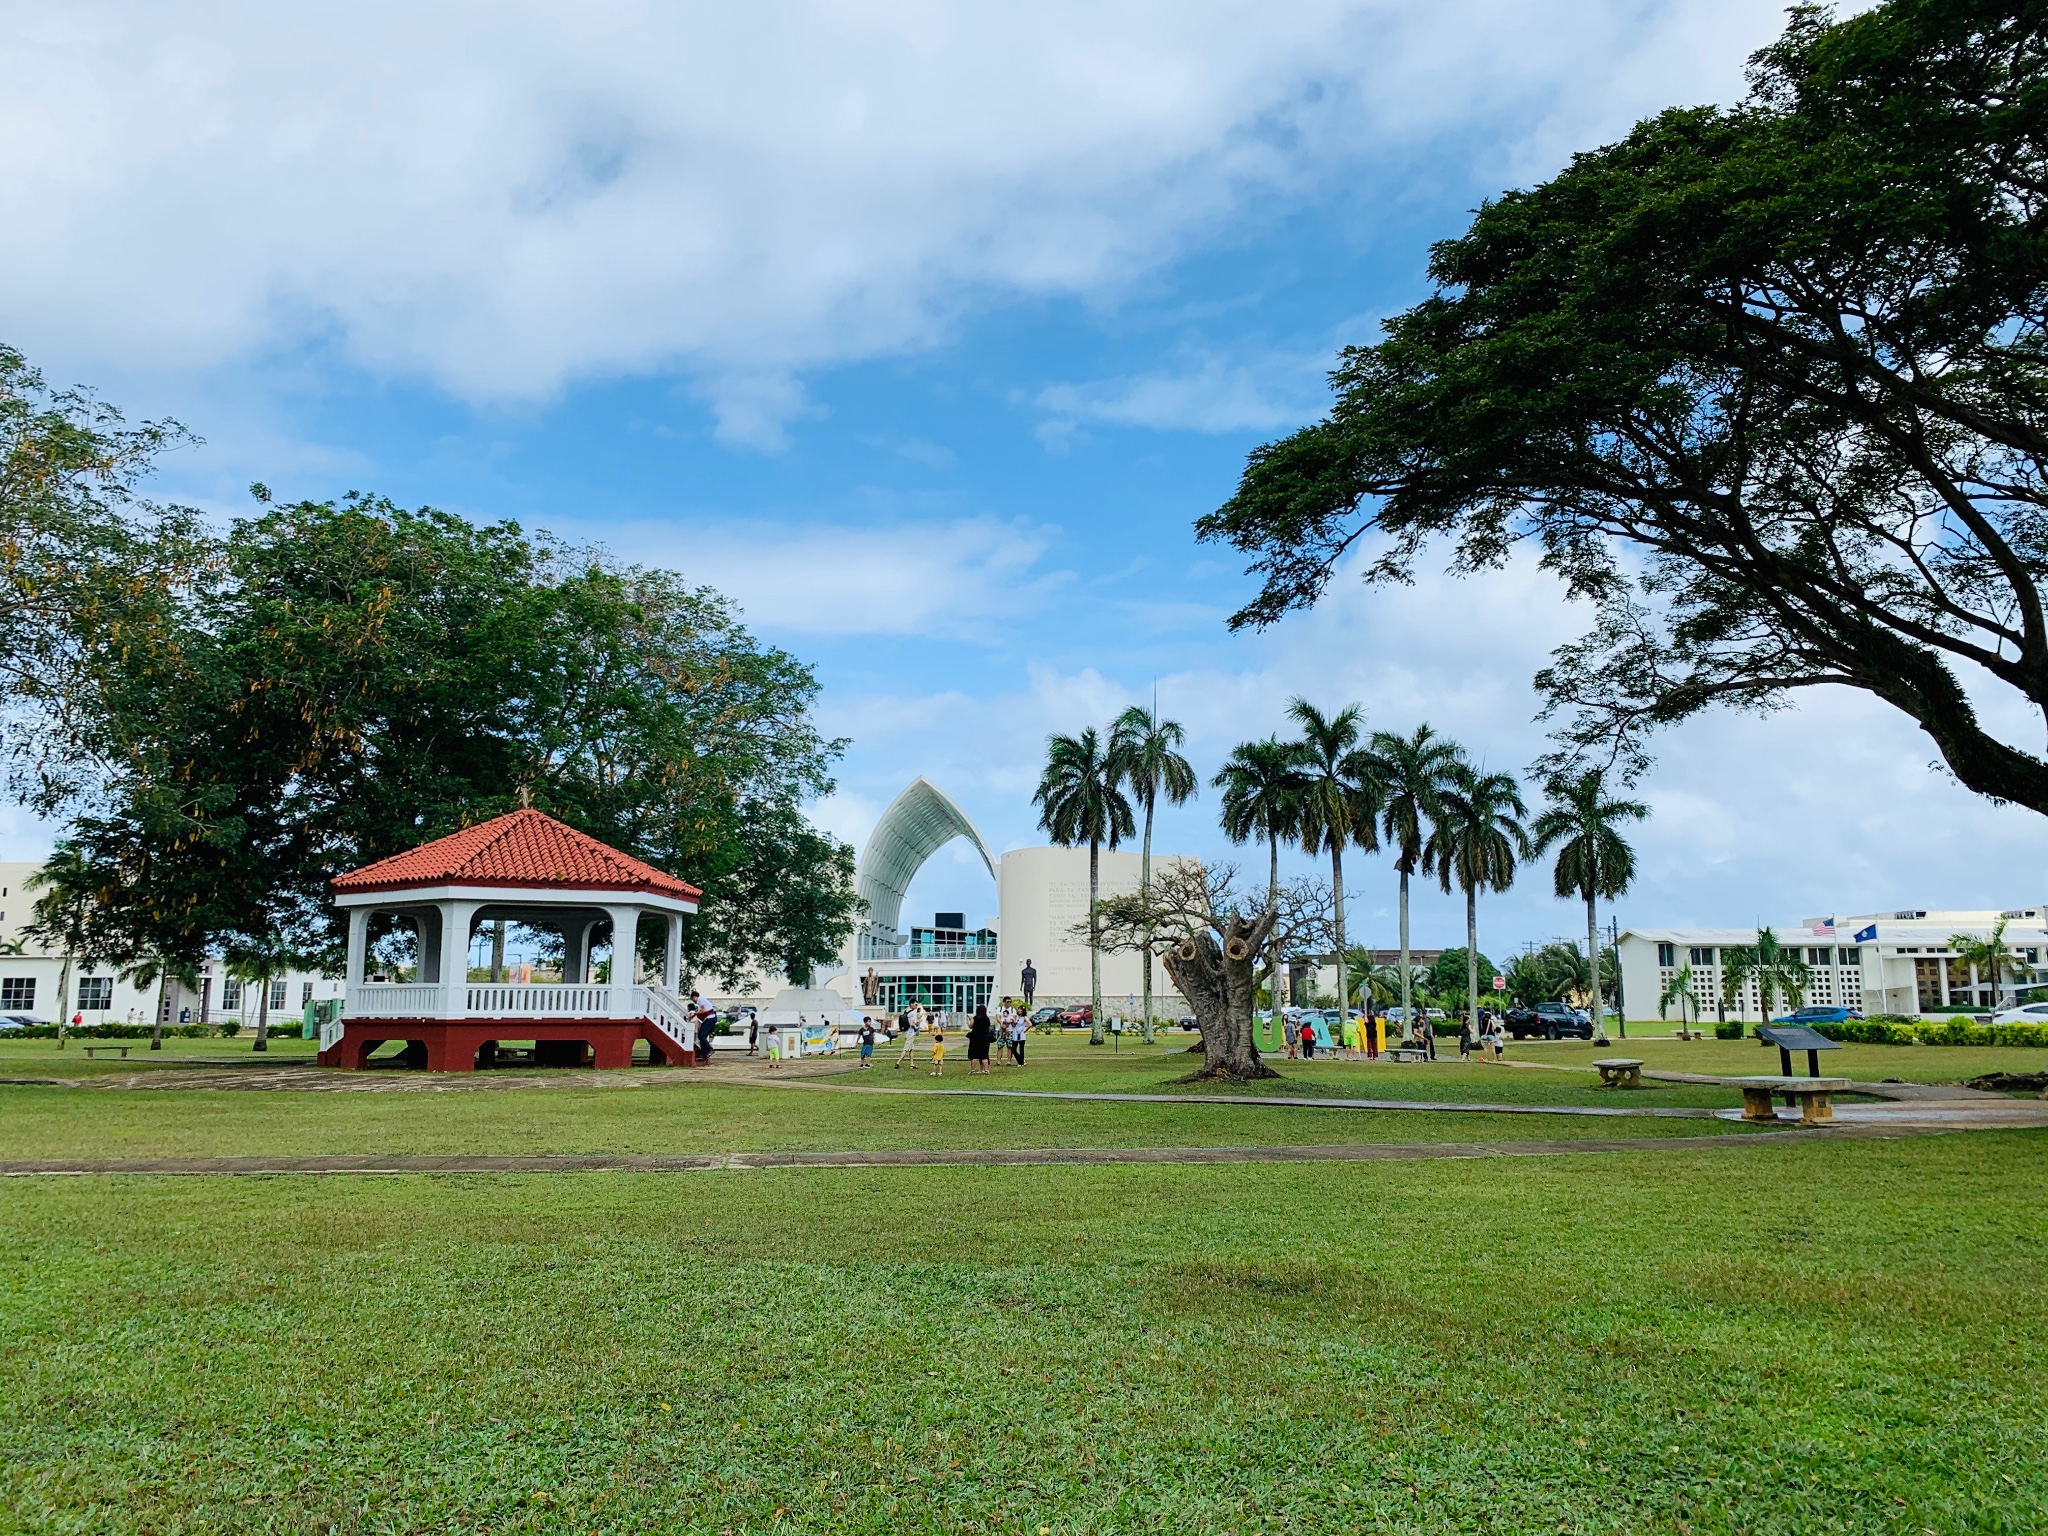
1879, 962
1041, 898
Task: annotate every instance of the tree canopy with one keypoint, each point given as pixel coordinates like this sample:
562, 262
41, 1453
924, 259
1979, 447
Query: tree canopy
345, 680
1765, 384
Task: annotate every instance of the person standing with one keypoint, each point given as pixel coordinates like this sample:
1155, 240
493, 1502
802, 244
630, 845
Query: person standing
980, 1035
867, 1041
938, 1051
1428, 1027
1020, 1029
1350, 1036
912, 1021
753, 1033
1292, 1030
1372, 1034
1468, 1036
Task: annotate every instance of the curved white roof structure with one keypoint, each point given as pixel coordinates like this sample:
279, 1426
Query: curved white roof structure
919, 822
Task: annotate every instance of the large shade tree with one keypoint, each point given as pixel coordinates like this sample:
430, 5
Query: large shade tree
1080, 801
1261, 786
1477, 838
1149, 750
1764, 383
352, 679
1583, 823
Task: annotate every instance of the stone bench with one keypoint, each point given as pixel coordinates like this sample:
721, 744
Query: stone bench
1813, 1095
1620, 1072
92, 1050
1409, 1053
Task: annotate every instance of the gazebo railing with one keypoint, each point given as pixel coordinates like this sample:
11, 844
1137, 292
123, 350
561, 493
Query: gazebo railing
494, 1000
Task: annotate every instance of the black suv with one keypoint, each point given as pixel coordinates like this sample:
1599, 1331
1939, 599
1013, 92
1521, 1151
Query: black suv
1548, 1021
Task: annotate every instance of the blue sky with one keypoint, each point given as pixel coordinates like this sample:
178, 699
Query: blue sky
924, 330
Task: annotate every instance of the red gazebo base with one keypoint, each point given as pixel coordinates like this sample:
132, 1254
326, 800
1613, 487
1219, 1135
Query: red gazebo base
451, 1044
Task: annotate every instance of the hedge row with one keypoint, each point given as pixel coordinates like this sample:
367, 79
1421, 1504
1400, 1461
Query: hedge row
126, 1031
1896, 1029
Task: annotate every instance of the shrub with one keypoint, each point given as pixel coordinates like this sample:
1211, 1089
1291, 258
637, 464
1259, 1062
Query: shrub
107, 1032
229, 1028
1872, 1031
1728, 1029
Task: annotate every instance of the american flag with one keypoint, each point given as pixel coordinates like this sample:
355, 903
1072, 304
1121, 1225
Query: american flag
1824, 929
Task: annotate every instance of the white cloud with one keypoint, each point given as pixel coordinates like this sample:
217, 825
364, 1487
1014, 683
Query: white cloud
504, 198
1211, 395
822, 579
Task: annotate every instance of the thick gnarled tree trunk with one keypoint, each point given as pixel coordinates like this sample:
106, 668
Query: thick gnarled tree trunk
1220, 981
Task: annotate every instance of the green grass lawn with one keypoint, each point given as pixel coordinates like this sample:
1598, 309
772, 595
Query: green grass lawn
1827, 1336
42, 1058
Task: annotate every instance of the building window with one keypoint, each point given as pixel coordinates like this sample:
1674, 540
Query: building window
1702, 956
277, 992
1667, 954
1817, 956
305, 993
230, 996
95, 994
1852, 956
17, 993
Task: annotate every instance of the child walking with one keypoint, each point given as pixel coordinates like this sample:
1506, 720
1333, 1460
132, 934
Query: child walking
938, 1053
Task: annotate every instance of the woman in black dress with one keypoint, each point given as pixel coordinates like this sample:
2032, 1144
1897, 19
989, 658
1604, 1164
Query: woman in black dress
980, 1034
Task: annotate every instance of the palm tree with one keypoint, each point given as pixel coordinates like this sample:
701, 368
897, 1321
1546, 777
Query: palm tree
62, 918
1991, 955
1340, 802
1080, 800
1776, 969
1476, 839
1411, 772
152, 969
1593, 859
1679, 990
259, 963
1262, 798
1151, 767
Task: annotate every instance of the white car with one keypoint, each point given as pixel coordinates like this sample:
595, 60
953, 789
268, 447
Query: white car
2024, 1013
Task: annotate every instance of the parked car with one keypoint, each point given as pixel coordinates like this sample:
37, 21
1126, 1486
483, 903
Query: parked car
2022, 1013
18, 1021
1081, 1016
1044, 1015
1815, 1017
1548, 1021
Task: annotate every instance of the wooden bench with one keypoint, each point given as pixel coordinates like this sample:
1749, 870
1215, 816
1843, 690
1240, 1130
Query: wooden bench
1620, 1072
1409, 1053
1682, 1033
91, 1050
1813, 1095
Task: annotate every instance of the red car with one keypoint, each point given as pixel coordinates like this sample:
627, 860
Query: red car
1082, 1015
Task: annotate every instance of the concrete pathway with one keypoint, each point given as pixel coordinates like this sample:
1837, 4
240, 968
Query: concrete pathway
1002, 1157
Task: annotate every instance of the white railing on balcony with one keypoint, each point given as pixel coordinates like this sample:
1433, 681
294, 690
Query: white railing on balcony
541, 1000
394, 1000
499, 1000
666, 1012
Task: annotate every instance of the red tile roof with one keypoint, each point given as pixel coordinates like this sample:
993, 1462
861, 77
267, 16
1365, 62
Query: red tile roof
525, 849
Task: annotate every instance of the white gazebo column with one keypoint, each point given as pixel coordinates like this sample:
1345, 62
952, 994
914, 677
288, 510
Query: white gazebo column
455, 916
358, 948
625, 943
672, 961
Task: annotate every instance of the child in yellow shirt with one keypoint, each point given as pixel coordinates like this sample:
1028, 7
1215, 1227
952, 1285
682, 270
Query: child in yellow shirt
938, 1053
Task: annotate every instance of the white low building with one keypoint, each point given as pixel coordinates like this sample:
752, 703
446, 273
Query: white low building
1898, 962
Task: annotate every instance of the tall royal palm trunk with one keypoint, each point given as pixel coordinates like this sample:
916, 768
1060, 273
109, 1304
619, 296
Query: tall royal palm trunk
263, 1018
1593, 958
1273, 906
1337, 888
1472, 952
1094, 945
63, 1003
1407, 977
156, 1025
1145, 881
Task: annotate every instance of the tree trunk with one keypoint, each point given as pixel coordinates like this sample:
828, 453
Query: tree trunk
1273, 905
1472, 954
1094, 945
1593, 958
498, 951
1145, 884
156, 1025
1221, 982
1407, 979
263, 1019
63, 1003
1337, 890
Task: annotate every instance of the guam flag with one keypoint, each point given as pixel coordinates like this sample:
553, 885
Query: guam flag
1867, 935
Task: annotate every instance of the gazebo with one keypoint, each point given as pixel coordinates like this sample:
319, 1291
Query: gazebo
527, 868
